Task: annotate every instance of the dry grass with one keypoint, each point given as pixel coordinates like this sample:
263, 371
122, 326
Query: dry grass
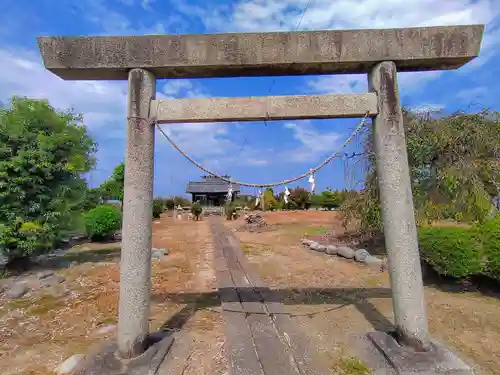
37, 334
330, 298
250, 249
352, 299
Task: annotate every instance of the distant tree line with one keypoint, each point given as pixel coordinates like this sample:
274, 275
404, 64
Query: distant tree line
299, 199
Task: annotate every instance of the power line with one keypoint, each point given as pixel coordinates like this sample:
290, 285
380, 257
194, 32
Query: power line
304, 11
242, 146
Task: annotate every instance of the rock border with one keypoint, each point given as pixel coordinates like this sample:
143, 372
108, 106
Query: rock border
358, 255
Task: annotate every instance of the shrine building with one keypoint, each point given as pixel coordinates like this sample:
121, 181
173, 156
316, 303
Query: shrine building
211, 191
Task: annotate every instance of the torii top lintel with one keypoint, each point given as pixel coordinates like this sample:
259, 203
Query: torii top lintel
260, 54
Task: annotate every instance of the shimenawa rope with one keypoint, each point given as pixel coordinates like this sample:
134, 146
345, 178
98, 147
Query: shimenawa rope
283, 182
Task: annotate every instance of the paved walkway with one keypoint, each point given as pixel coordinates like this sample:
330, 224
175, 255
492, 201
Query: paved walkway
262, 339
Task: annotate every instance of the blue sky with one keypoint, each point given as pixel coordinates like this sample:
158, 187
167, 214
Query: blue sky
254, 152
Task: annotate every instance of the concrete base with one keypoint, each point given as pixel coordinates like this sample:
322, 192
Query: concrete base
105, 360
403, 361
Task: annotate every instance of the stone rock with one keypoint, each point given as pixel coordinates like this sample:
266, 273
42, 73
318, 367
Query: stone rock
321, 248
103, 264
41, 258
56, 253
161, 252
44, 274
331, 250
17, 290
314, 246
157, 254
3, 260
106, 329
51, 281
307, 242
374, 261
345, 252
69, 365
360, 255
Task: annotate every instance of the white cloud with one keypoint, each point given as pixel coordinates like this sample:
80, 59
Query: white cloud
313, 143
412, 82
200, 139
339, 84
428, 107
276, 15
266, 15
102, 103
213, 145
175, 88
257, 162
146, 3
472, 94
112, 22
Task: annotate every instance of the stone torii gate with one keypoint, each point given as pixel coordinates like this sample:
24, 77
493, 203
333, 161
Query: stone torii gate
380, 53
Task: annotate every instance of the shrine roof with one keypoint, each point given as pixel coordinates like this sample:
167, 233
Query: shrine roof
210, 184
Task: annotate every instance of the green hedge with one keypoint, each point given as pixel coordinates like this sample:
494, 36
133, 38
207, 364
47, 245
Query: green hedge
102, 221
489, 235
462, 252
451, 251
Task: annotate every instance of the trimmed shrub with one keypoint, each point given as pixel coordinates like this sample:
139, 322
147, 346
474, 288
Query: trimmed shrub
24, 238
230, 211
158, 207
102, 221
489, 234
196, 210
451, 251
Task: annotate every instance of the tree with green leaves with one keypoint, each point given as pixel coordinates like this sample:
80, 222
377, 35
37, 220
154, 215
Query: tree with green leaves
327, 199
91, 199
454, 166
300, 198
43, 153
112, 188
196, 210
270, 202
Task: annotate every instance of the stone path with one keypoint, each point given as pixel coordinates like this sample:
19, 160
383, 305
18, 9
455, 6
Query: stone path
261, 337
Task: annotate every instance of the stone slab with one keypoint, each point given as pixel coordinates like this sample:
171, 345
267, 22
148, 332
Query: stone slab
243, 359
260, 54
293, 107
305, 354
438, 360
105, 361
250, 271
176, 359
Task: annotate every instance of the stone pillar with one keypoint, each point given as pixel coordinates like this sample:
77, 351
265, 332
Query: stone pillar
135, 264
396, 203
